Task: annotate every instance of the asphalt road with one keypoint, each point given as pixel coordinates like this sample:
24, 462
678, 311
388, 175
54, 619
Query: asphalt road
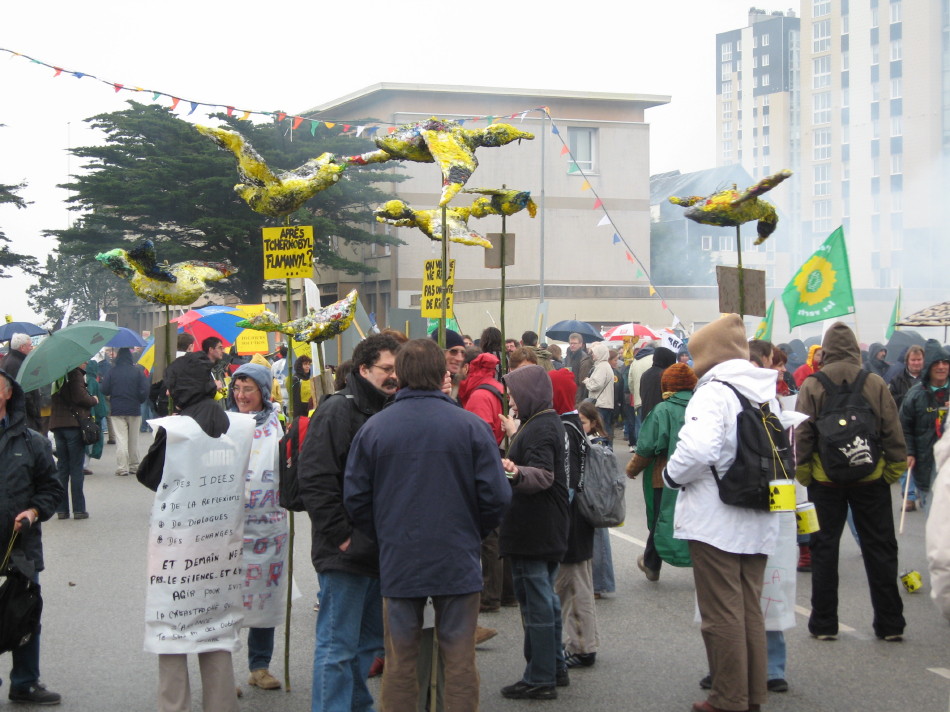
651, 655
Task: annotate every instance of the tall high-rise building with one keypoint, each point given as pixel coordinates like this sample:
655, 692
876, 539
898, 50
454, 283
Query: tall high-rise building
757, 114
859, 108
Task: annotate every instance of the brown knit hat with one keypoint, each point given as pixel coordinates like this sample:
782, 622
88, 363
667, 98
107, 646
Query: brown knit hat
678, 377
718, 341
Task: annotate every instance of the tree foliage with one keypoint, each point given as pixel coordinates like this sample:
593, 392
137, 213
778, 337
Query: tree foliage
8, 258
71, 278
157, 177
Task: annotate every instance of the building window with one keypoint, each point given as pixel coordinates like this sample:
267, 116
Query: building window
727, 110
845, 134
822, 145
896, 126
896, 50
875, 91
583, 144
727, 90
707, 243
875, 54
727, 129
897, 200
845, 97
874, 18
820, 8
821, 107
765, 100
765, 41
895, 10
821, 36
765, 119
727, 243
823, 179
896, 87
897, 163
822, 216
726, 51
755, 82
845, 24
765, 80
821, 72
765, 60
845, 60
726, 71
875, 128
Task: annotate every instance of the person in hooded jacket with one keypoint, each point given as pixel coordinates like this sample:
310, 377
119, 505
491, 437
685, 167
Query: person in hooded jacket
875, 362
812, 364
869, 499
911, 366
651, 390
29, 494
658, 438
481, 394
266, 525
600, 384
301, 389
575, 576
189, 382
729, 545
127, 389
71, 402
923, 417
534, 531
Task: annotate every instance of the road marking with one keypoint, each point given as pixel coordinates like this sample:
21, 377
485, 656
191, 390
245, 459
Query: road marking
943, 672
627, 537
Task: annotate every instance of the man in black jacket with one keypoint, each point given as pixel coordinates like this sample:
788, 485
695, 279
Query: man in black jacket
349, 622
20, 347
31, 492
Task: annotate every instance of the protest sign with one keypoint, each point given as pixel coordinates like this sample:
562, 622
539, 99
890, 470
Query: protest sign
432, 290
288, 251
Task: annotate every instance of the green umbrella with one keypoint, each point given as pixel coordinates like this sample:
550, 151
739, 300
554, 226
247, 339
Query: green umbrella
63, 350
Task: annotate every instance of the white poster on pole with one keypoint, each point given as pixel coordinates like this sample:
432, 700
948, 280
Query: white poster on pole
194, 572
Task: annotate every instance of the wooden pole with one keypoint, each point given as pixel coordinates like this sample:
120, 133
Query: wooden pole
168, 356
741, 275
291, 532
504, 351
445, 274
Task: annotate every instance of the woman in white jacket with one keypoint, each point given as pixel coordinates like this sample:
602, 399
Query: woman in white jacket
600, 385
938, 529
729, 545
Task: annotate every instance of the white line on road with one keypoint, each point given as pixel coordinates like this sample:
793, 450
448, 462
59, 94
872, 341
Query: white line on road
943, 672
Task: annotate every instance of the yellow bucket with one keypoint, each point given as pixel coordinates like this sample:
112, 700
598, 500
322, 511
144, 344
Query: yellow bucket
782, 496
911, 581
806, 516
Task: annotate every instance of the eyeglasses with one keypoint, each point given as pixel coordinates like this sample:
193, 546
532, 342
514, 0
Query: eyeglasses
388, 370
246, 391
457, 351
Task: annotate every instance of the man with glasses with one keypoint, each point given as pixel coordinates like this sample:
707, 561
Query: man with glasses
349, 622
454, 357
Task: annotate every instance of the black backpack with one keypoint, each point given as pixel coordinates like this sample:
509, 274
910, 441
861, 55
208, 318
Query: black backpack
289, 497
763, 454
849, 445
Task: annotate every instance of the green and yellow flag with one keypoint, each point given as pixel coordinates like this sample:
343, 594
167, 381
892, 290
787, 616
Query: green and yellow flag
895, 315
822, 287
764, 330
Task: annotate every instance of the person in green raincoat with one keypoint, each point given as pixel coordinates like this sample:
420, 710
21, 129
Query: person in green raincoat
99, 412
656, 442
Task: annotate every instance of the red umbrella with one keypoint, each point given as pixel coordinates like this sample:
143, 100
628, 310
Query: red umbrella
618, 333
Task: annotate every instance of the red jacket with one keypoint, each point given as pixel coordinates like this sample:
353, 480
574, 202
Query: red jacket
481, 401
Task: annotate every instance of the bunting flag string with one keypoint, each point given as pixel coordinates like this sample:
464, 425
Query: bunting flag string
631, 256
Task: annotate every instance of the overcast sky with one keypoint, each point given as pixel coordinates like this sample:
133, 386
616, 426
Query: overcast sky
292, 56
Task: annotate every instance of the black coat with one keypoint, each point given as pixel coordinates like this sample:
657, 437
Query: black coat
580, 538
27, 479
126, 386
11, 364
320, 478
651, 390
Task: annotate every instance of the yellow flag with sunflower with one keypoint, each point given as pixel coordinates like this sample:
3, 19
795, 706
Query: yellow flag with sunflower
821, 289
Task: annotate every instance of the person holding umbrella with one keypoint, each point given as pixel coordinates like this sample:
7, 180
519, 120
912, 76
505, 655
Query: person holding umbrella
71, 401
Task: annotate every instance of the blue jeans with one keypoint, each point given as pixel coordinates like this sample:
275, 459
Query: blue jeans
349, 634
540, 618
260, 648
26, 661
146, 411
70, 453
607, 415
603, 563
631, 422
775, 646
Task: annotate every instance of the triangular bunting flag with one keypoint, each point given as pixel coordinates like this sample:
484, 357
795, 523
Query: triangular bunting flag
554, 130
329, 125
58, 71
604, 221
616, 239
629, 257
585, 185
359, 131
281, 116
572, 168
230, 111
663, 304
78, 75
372, 130
245, 115
598, 203
175, 101
158, 94
392, 129
462, 122
194, 106
652, 290
313, 127
297, 121
346, 127
118, 88
490, 119
640, 273
565, 149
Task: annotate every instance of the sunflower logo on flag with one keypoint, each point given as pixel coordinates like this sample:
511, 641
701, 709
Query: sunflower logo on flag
815, 280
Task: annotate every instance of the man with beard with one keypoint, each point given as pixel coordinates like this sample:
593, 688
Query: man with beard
349, 629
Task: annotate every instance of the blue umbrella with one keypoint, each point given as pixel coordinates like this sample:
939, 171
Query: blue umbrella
563, 330
20, 327
126, 338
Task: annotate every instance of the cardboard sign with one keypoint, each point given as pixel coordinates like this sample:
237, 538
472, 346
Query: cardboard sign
754, 282
432, 290
288, 251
